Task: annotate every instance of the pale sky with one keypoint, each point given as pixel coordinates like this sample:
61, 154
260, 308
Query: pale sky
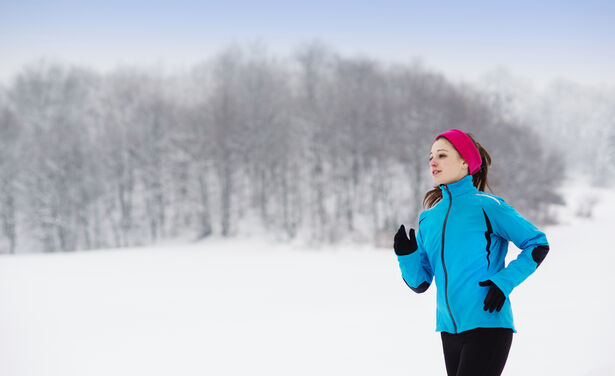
537, 40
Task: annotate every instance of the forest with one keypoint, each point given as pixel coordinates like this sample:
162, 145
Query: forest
317, 148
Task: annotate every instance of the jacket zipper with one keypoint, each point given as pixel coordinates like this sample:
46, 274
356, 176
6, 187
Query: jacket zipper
443, 264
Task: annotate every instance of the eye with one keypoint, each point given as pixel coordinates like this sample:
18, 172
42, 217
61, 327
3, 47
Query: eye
442, 155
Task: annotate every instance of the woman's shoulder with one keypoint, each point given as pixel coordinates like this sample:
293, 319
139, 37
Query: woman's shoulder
489, 199
429, 211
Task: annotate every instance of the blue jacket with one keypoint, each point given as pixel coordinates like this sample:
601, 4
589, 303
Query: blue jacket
463, 240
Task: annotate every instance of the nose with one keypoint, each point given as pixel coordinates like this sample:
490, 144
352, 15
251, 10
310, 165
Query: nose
433, 163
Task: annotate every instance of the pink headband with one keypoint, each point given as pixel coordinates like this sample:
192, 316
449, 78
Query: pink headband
465, 146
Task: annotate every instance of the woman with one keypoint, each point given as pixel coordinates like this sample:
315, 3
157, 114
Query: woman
462, 240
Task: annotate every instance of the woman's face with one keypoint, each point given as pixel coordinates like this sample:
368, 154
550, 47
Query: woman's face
445, 163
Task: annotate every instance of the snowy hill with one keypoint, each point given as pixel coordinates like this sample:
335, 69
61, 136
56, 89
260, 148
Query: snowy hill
252, 307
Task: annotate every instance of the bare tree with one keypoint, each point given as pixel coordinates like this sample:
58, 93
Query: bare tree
10, 139
316, 64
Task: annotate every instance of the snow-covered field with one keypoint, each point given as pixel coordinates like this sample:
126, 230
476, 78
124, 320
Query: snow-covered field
252, 307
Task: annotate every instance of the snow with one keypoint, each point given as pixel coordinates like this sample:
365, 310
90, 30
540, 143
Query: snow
252, 306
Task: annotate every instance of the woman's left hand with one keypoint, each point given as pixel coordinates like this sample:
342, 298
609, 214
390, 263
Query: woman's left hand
495, 297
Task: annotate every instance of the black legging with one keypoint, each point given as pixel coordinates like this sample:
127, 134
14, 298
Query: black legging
476, 352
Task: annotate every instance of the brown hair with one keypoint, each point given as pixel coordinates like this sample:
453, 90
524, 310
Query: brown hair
479, 179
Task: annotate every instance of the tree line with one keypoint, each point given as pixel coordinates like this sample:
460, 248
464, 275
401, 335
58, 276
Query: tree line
318, 148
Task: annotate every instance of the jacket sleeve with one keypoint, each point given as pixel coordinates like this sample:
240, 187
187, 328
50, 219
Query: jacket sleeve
510, 225
415, 268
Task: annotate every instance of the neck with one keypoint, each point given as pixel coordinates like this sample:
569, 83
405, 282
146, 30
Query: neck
461, 186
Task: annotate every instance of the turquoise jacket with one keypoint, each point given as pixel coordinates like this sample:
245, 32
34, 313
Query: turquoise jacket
463, 240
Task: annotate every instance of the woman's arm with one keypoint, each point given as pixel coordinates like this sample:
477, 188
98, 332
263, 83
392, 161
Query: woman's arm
510, 225
413, 262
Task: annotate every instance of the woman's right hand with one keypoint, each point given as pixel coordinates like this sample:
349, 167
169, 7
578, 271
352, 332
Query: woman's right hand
402, 244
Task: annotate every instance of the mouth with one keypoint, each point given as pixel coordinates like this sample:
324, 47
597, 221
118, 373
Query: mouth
435, 172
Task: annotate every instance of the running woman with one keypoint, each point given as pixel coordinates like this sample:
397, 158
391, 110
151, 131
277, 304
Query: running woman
462, 241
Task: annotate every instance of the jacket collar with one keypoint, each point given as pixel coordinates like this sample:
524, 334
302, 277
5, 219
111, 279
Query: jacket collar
463, 185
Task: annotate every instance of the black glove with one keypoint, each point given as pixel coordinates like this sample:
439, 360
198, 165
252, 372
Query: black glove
495, 297
402, 245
